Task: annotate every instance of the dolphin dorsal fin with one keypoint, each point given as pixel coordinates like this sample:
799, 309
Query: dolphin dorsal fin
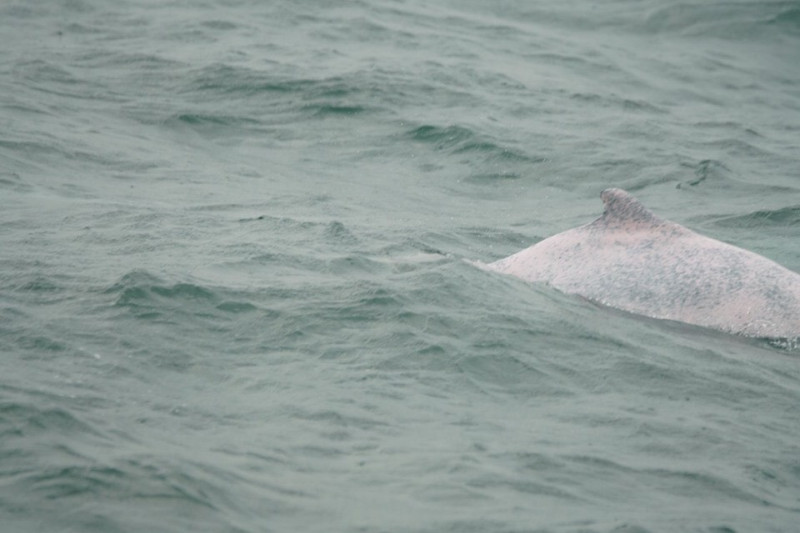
622, 209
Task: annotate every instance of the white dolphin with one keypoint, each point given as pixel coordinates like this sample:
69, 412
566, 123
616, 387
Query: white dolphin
632, 260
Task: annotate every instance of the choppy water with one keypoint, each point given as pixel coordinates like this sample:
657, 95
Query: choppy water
232, 295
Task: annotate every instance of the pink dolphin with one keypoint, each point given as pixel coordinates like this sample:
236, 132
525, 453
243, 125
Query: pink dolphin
632, 260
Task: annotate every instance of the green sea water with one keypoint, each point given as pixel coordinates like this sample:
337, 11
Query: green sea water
235, 293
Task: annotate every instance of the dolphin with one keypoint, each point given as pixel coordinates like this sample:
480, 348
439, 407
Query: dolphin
631, 259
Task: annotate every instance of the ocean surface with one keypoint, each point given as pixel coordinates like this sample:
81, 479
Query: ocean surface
235, 293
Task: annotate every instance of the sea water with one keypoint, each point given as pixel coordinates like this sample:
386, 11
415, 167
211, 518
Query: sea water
234, 287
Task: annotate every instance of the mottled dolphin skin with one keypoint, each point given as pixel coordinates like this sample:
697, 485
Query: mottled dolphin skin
633, 260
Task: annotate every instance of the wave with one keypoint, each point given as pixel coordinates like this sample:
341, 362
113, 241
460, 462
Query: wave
460, 140
729, 20
343, 94
782, 217
490, 159
149, 297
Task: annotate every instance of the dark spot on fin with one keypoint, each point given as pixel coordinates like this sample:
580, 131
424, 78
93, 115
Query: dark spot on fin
623, 209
